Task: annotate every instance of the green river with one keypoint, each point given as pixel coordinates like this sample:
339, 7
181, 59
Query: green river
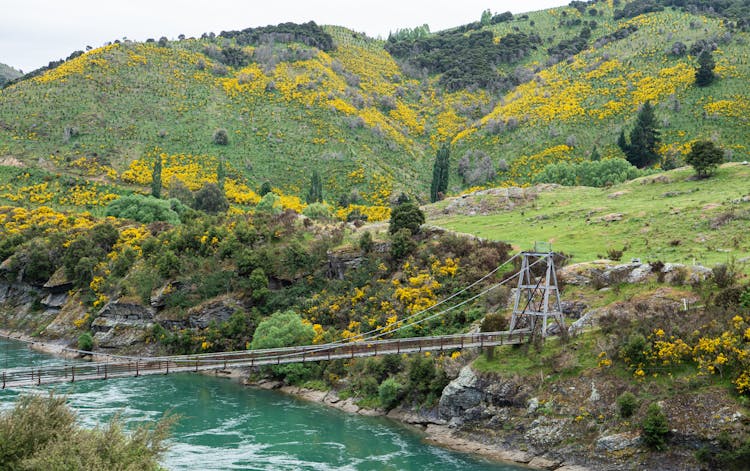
225, 425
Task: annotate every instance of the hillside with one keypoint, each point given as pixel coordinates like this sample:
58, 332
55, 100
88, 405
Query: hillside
543, 87
8, 73
670, 217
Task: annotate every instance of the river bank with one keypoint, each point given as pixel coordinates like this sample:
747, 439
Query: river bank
434, 430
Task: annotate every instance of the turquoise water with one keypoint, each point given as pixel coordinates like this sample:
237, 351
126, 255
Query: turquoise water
225, 425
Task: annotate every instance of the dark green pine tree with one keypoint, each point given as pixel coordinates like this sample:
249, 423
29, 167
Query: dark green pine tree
156, 177
644, 139
704, 75
315, 194
439, 184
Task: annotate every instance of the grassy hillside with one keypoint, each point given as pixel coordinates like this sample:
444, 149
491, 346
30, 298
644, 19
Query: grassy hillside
558, 83
669, 217
8, 73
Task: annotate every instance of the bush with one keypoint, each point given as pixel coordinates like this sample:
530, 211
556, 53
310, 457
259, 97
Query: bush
402, 244
389, 393
269, 204
85, 342
476, 168
41, 433
626, 404
654, 428
406, 216
596, 173
317, 211
145, 209
221, 137
211, 199
365, 242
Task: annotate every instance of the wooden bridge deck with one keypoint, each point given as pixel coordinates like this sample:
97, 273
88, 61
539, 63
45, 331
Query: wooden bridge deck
120, 367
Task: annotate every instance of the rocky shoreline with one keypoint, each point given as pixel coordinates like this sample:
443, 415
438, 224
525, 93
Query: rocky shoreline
436, 431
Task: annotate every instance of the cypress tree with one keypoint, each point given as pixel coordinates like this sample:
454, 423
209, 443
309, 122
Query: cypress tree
439, 183
315, 194
156, 177
704, 75
221, 175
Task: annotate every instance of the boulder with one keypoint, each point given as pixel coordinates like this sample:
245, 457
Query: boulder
460, 394
616, 442
540, 462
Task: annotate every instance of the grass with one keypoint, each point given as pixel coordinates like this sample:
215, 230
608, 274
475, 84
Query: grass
660, 221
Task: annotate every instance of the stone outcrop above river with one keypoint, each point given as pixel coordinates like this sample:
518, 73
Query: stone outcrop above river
120, 325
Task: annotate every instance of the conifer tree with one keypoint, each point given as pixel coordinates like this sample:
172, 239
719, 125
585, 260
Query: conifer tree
704, 75
156, 177
644, 139
439, 183
315, 194
221, 175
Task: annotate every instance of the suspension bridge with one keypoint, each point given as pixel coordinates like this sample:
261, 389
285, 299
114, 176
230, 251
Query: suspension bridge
536, 301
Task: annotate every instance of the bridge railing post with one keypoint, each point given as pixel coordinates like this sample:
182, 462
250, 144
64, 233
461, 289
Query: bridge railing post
3, 379
73, 374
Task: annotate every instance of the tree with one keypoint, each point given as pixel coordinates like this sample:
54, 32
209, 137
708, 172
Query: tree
211, 199
265, 188
644, 139
440, 169
179, 191
655, 428
145, 209
315, 193
406, 216
221, 175
282, 329
221, 137
156, 178
704, 156
705, 75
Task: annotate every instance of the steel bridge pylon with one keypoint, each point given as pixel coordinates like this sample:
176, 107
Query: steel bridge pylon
537, 298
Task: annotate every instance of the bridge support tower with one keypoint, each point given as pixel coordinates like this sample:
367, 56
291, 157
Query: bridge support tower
537, 298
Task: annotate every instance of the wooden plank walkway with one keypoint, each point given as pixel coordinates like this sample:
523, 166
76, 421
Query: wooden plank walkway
136, 367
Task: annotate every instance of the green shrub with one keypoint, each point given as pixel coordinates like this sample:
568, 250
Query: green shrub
654, 428
41, 433
402, 244
210, 199
221, 137
145, 209
389, 393
365, 242
86, 342
597, 173
626, 404
406, 216
318, 211
269, 204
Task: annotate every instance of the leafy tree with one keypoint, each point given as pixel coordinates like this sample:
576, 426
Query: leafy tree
704, 156
282, 329
486, 17
406, 216
315, 193
595, 155
476, 168
211, 199
644, 139
439, 183
705, 75
317, 211
156, 178
655, 428
595, 173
